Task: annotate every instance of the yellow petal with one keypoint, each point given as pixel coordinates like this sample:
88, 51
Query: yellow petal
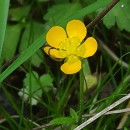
76, 28
55, 35
54, 53
72, 66
90, 47
46, 49
57, 53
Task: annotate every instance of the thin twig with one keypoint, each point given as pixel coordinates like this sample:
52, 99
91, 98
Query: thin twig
103, 112
88, 115
18, 117
110, 112
124, 118
103, 13
3, 120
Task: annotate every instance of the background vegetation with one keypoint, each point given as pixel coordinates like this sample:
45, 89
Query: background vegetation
35, 94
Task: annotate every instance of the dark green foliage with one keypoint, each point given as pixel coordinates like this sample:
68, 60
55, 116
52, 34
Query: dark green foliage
34, 92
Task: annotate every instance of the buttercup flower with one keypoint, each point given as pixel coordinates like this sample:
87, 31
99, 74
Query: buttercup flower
69, 45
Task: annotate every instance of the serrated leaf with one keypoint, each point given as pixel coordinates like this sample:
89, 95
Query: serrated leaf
46, 81
34, 86
62, 121
56, 12
32, 91
31, 79
25, 95
119, 15
74, 115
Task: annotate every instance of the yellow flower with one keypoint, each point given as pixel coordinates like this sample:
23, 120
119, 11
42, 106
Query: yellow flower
69, 45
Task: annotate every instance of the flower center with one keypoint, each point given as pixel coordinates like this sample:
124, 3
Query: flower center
69, 45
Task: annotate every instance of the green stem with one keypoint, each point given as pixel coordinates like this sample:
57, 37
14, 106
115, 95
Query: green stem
81, 96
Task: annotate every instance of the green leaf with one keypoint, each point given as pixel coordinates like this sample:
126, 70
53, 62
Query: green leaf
34, 87
62, 121
46, 81
17, 14
12, 36
31, 79
31, 33
86, 10
56, 12
88, 2
90, 79
32, 91
74, 115
37, 58
119, 15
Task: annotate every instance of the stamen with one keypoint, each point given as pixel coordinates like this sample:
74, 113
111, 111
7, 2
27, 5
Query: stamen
70, 45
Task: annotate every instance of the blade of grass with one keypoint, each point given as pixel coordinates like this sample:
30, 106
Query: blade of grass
4, 6
90, 120
23, 57
15, 107
3, 128
63, 100
41, 40
11, 122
